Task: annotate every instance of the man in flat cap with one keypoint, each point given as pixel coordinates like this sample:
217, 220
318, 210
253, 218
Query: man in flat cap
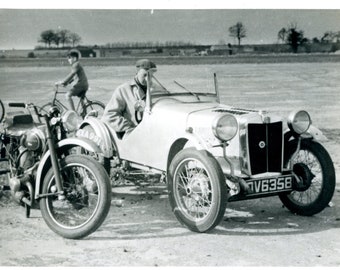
125, 108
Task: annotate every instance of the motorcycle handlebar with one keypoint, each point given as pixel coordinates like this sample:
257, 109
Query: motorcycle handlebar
17, 104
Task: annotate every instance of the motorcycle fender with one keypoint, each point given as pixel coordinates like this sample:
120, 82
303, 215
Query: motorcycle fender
45, 162
103, 136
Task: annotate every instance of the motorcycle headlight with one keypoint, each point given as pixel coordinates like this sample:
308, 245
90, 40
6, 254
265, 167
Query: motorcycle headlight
225, 127
70, 120
33, 140
299, 121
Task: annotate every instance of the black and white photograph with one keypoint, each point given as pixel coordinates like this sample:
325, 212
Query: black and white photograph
148, 134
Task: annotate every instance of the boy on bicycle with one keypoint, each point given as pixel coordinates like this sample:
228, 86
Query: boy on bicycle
77, 71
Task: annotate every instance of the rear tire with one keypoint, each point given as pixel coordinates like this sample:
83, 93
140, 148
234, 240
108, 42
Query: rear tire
96, 106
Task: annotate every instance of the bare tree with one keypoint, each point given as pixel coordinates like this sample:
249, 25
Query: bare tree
292, 36
56, 38
64, 36
282, 34
237, 31
330, 37
47, 37
295, 37
74, 39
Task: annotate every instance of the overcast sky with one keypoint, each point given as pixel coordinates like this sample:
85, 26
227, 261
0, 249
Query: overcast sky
21, 28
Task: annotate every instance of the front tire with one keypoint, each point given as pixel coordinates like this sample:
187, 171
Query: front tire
197, 190
314, 167
88, 197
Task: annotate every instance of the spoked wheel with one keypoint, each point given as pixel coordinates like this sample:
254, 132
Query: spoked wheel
96, 108
2, 111
46, 108
316, 178
197, 190
87, 197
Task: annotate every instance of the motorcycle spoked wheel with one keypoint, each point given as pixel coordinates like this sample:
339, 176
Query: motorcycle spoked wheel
197, 190
316, 171
87, 197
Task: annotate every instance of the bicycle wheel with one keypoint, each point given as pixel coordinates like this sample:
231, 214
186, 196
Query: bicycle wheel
45, 108
95, 107
2, 110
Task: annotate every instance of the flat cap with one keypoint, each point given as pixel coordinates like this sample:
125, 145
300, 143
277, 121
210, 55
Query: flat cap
145, 64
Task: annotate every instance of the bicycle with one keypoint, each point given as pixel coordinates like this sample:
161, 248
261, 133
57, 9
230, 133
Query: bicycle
85, 105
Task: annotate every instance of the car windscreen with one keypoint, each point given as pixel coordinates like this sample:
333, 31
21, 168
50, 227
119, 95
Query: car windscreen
181, 86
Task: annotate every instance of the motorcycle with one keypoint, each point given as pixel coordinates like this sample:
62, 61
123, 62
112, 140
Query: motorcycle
73, 191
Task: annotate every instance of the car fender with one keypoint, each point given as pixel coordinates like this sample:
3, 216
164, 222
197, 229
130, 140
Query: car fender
105, 139
316, 134
186, 141
195, 141
312, 133
63, 145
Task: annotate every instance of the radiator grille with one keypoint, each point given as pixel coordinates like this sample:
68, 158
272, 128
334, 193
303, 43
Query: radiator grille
265, 147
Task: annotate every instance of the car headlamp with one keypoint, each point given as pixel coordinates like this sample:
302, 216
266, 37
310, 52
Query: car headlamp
299, 121
70, 120
225, 127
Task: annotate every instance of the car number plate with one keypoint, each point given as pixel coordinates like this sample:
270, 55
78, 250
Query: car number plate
270, 185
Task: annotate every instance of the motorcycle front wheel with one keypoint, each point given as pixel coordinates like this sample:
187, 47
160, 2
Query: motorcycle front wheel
87, 201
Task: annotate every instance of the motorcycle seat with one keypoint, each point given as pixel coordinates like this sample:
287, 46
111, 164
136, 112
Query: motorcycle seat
18, 118
22, 119
18, 122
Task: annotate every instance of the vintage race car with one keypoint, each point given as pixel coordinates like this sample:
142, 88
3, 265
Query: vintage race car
210, 154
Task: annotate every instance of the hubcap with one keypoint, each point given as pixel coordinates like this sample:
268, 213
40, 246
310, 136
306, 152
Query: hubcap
304, 177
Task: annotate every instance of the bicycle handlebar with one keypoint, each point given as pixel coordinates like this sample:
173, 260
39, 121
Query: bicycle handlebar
56, 89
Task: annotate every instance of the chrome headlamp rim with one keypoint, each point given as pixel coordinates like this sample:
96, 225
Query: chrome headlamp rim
222, 122
70, 120
33, 139
299, 121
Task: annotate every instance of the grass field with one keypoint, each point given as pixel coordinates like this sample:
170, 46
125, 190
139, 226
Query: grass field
279, 87
178, 60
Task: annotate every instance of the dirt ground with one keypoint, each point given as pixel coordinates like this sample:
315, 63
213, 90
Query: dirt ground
141, 230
